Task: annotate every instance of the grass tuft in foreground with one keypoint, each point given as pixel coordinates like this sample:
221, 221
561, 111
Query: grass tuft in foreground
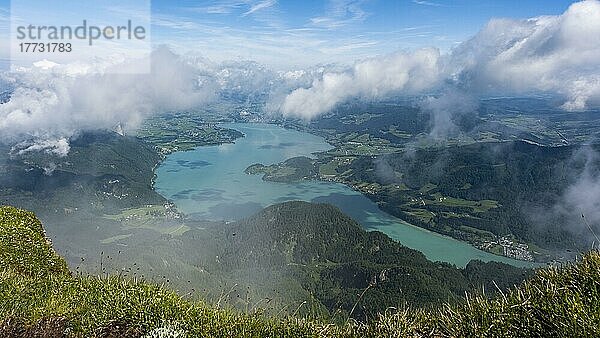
39, 297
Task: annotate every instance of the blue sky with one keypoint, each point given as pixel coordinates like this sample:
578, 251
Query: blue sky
557, 53
276, 32
290, 33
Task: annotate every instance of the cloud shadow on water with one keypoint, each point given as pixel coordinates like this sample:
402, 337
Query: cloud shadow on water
193, 164
233, 211
358, 207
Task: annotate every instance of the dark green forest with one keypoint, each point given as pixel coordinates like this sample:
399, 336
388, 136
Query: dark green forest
525, 179
336, 260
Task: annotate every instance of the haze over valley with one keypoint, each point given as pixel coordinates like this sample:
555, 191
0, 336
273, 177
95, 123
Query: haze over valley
339, 165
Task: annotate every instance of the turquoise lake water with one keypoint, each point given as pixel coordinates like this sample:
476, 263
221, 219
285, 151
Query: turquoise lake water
210, 183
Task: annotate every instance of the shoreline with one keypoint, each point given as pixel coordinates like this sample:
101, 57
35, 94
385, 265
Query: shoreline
395, 218
309, 131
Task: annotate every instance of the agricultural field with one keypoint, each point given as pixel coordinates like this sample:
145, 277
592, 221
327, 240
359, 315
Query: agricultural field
161, 218
460, 186
184, 131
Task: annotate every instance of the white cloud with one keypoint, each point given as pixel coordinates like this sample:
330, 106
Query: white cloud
583, 196
445, 108
340, 13
372, 78
51, 102
260, 6
428, 3
59, 147
557, 54
49, 105
45, 64
554, 54
551, 54
580, 198
234, 6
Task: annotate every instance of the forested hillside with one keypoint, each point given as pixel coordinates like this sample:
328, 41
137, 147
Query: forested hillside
335, 260
40, 298
513, 183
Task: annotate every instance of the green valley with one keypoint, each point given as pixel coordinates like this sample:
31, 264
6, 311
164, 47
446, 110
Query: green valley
484, 186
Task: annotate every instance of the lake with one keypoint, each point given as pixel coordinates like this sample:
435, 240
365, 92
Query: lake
210, 183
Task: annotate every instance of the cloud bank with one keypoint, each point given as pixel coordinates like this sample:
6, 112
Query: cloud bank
559, 55
51, 104
577, 208
372, 78
556, 54
583, 196
445, 109
549, 54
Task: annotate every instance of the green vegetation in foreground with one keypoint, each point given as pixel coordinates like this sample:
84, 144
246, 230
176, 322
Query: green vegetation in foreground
24, 248
297, 253
556, 302
328, 260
